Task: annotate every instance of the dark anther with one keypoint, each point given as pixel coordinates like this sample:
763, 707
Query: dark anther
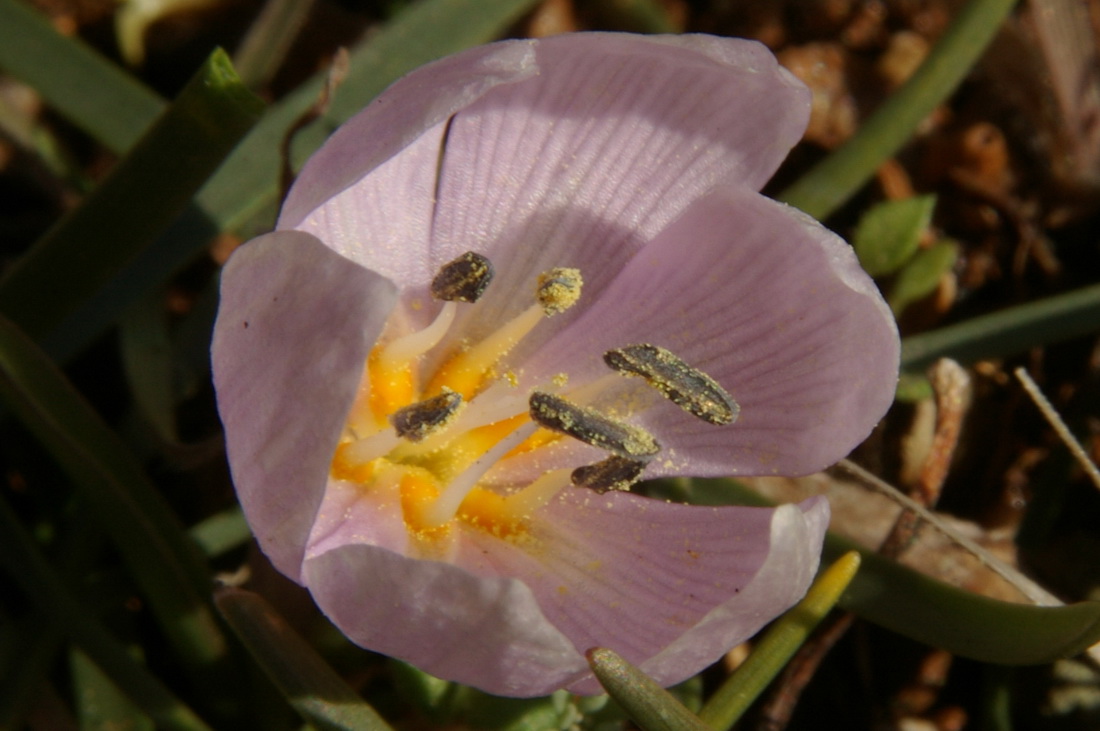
464, 279
613, 473
687, 387
592, 427
416, 421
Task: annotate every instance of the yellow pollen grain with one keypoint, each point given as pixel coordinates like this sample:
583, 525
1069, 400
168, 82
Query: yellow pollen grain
561, 380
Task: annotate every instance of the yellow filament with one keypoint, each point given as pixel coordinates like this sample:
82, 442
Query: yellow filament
466, 371
419, 492
450, 499
540, 492
392, 385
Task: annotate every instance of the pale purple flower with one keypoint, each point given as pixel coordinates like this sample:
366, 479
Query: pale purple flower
635, 161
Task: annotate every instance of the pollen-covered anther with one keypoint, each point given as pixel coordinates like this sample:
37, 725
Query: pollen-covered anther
559, 289
591, 427
416, 421
613, 473
463, 280
687, 387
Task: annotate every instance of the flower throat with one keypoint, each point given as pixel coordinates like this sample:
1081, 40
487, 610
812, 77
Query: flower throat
432, 440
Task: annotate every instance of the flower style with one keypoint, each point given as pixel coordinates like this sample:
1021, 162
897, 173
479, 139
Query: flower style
522, 279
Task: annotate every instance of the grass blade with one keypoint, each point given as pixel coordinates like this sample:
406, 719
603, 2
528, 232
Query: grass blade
837, 178
770, 655
1007, 332
139, 199
24, 562
319, 695
162, 559
87, 89
649, 705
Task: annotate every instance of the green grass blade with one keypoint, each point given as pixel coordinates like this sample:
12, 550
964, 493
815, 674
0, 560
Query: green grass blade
963, 623
24, 562
775, 649
247, 185
1008, 332
87, 89
162, 559
138, 200
837, 178
99, 703
935, 613
311, 686
263, 49
649, 705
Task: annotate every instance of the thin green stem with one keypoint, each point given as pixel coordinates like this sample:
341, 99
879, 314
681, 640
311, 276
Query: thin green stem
778, 645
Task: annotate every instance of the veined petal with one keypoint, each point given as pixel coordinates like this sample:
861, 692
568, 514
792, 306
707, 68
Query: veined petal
287, 359
669, 587
483, 631
611, 141
772, 305
414, 104
572, 143
712, 577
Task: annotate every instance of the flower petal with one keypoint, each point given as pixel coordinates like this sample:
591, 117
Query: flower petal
571, 144
769, 303
483, 631
611, 141
414, 104
670, 587
287, 358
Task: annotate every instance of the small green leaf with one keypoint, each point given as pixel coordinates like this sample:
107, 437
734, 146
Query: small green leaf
913, 387
922, 274
649, 705
221, 532
312, 687
887, 235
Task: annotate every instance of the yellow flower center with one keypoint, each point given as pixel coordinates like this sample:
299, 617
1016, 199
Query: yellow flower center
432, 436
436, 435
